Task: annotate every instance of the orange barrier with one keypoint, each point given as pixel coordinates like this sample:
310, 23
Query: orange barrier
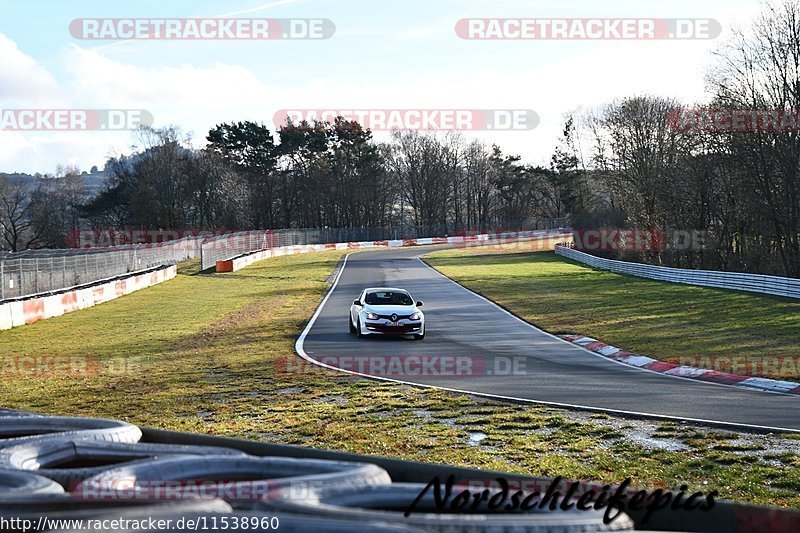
225, 266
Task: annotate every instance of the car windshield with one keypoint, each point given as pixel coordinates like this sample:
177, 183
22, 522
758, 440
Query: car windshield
388, 298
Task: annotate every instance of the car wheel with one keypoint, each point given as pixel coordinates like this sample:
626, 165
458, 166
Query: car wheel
419, 337
352, 327
358, 329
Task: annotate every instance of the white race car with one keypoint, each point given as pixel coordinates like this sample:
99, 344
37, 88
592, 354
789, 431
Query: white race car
386, 311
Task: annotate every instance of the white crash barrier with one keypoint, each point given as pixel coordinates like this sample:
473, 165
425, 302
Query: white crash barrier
34, 308
773, 285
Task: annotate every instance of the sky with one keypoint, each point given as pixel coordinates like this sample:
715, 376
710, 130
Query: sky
382, 55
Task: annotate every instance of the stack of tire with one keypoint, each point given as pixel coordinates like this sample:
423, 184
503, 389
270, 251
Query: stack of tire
70, 468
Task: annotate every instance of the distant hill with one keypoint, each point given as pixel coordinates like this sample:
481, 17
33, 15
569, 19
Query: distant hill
95, 181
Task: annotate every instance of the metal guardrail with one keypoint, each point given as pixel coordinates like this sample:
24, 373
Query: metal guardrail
773, 285
231, 245
36, 271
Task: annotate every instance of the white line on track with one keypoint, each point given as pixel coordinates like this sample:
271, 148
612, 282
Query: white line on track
595, 354
302, 353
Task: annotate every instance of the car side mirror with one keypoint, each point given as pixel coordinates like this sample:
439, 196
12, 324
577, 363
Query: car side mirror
419, 304
356, 302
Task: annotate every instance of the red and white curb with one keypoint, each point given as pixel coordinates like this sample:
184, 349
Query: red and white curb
672, 369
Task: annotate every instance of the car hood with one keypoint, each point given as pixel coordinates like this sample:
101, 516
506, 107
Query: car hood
390, 309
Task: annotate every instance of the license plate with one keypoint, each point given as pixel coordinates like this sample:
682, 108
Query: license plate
395, 324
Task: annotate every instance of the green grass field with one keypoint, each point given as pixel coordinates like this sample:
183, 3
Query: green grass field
728, 330
208, 353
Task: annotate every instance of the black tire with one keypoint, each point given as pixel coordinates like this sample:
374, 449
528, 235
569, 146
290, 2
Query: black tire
387, 503
87, 458
16, 483
270, 476
16, 430
67, 506
352, 327
358, 329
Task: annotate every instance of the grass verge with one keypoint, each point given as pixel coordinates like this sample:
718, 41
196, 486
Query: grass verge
710, 328
207, 353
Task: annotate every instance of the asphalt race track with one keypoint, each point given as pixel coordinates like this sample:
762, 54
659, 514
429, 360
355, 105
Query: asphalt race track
488, 351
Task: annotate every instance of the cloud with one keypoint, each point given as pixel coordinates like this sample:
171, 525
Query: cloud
192, 97
21, 77
550, 78
111, 83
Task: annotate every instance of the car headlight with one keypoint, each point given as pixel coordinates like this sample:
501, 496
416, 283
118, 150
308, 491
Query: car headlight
372, 316
415, 316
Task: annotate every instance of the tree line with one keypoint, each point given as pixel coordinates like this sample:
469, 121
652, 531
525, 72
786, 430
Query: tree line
628, 164
307, 175
729, 168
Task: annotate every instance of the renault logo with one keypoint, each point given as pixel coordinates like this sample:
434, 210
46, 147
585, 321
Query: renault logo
394, 318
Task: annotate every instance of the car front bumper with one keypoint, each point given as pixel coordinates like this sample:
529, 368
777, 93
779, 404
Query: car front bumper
410, 328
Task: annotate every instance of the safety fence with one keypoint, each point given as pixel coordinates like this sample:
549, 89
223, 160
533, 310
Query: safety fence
231, 245
41, 271
773, 285
545, 239
33, 272
23, 311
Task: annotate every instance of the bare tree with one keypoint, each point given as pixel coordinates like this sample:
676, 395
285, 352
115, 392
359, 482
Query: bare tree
759, 69
15, 216
54, 207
